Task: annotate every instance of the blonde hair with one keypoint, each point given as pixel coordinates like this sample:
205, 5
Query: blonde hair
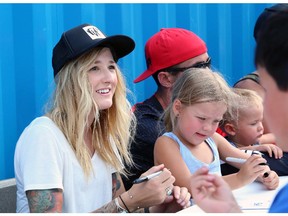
71, 105
198, 85
247, 98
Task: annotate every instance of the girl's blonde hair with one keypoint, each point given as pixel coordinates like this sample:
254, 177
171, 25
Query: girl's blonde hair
246, 99
73, 102
198, 85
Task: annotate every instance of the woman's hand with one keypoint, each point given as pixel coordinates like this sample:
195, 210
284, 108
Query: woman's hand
152, 192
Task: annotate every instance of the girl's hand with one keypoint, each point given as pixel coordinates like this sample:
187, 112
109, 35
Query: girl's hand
178, 200
271, 149
251, 169
271, 181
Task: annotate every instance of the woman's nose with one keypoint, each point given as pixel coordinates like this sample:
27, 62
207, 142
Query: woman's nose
108, 76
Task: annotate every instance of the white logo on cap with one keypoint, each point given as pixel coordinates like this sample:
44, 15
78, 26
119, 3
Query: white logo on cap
93, 32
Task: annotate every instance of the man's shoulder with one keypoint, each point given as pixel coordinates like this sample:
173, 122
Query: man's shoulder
150, 106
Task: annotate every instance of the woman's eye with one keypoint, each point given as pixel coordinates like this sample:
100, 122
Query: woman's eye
112, 67
94, 68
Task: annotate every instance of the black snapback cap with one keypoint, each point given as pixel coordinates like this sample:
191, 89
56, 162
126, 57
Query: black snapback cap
83, 38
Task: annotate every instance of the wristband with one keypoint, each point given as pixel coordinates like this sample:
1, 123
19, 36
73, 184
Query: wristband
119, 207
124, 204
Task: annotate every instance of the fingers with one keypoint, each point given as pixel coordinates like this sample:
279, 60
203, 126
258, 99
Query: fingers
202, 171
164, 177
182, 196
278, 153
272, 149
201, 180
271, 181
153, 170
252, 169
269, 150
156, 189
176, 192
256, 160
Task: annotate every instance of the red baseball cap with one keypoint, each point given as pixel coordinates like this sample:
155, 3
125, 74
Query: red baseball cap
168, 47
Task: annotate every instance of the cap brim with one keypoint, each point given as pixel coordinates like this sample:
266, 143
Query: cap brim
122, 45
144, 76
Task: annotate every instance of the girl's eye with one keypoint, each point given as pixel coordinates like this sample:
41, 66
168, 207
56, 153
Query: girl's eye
201, 118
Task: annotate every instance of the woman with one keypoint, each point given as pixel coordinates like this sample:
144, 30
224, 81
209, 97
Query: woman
69, 160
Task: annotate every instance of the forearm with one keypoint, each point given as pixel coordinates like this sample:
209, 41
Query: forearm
233, 181
108, 208
115, 206
267, 138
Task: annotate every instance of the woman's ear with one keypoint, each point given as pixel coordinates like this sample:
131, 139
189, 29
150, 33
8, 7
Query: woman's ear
230, 129
177, 107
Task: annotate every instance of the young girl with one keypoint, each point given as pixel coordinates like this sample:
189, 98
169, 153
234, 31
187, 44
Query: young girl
200, 97
69, 160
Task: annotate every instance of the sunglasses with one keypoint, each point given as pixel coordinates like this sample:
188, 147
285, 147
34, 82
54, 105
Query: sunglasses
202, 64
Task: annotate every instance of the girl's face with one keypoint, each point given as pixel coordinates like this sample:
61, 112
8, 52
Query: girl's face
103, 78
249, 128
197, 122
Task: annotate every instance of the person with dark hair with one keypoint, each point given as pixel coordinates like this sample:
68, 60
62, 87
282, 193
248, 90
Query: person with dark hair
209, 191
251, 81
71, 158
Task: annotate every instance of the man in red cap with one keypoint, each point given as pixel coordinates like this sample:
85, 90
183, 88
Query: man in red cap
168, 53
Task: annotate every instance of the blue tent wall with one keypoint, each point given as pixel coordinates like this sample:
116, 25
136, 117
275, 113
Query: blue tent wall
28, 33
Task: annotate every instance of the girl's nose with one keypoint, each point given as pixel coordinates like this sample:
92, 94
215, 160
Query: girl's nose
207, 127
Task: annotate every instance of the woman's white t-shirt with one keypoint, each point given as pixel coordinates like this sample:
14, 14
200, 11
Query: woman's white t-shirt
44, 160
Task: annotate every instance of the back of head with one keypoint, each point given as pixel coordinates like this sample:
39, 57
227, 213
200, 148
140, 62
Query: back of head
264, 16
272, 49
168, 47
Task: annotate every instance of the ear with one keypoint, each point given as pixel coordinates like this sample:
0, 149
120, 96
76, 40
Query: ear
230, 129
177, 107
165, 79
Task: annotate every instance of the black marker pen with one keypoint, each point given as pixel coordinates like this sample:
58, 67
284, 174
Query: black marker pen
146, 178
